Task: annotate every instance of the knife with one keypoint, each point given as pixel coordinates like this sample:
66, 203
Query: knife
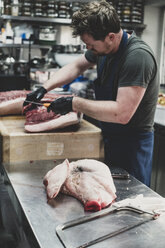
41, 104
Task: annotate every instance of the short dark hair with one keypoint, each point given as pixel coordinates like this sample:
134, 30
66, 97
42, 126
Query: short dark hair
96, 18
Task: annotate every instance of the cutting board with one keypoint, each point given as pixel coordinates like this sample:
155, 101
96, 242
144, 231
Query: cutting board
85, 141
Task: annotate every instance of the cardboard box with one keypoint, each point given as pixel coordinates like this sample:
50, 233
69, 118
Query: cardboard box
18, 146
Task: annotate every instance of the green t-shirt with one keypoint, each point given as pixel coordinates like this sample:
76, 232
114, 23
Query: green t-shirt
137, 67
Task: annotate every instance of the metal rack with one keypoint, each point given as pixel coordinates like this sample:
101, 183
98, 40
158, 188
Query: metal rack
137, 26
36, 19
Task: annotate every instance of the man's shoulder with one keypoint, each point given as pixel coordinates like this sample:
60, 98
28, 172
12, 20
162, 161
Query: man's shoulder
136, 43
90, 56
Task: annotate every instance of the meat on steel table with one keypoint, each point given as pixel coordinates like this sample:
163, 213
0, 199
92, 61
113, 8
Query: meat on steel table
39, 219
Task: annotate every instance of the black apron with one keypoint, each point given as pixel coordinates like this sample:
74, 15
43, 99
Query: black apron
123, 147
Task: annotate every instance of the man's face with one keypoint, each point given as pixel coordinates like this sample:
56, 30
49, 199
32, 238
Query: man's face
99, 47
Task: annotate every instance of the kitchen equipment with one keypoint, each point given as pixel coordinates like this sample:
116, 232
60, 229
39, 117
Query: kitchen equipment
7, 7
15, 8
27, 9
64, 10
158, 169
20, 67
9, 63
51, 9
119, 173
160, 114
37, 62
47, 35
126, 221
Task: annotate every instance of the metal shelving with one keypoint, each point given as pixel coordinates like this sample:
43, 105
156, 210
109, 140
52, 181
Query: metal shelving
25, 46
36, 19
137, 27
63, 21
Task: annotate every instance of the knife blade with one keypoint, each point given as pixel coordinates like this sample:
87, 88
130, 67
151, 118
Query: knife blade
40, 104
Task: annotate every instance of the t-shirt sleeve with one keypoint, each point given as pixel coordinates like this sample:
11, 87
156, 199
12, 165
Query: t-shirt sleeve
90, 56
138, 69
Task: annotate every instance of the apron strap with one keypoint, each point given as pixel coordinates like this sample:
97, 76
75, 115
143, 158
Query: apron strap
102, 66
115, 62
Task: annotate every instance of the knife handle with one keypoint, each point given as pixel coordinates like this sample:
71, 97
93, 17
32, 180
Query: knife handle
46, 104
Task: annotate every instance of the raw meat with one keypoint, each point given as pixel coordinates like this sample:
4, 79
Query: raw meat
42, 121
11, 102
88, 180
39, 120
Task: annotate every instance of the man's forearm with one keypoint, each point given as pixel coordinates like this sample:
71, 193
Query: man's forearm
63, 76
99, 110
119, 111
67, 73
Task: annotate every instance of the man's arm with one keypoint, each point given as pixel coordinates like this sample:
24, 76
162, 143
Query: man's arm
63, 76
119, 111
68, 73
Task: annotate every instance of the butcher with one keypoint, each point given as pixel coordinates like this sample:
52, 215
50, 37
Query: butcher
126, 88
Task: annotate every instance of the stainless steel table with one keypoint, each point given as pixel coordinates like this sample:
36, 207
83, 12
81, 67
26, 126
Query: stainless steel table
40, 219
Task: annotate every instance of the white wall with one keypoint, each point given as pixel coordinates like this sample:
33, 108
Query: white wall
152, 34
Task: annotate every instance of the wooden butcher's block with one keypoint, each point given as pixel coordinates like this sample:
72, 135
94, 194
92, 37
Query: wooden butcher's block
84, 141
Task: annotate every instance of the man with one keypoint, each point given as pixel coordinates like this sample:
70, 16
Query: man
126, 88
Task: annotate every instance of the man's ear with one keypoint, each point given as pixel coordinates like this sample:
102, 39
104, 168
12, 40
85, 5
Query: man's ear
111, 36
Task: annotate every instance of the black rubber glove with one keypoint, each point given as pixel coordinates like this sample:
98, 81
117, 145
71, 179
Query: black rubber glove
35, 96
62, 105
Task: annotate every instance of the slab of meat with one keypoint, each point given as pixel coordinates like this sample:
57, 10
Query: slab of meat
88, 180
39, 120
11, 102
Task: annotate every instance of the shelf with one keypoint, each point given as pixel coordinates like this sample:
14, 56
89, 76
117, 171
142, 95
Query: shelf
25, 46
57, 20
36, 19
133, 25
137, 27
